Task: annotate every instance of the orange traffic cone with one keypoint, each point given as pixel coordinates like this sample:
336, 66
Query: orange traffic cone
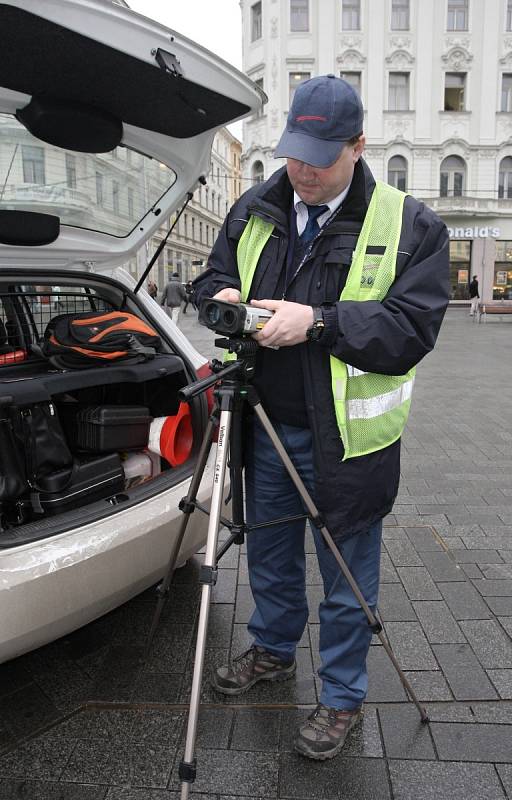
171, 437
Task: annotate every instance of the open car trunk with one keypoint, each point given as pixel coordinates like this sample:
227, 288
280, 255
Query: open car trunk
75, 441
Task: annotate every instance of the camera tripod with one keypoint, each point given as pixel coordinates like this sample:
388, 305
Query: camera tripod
234, 389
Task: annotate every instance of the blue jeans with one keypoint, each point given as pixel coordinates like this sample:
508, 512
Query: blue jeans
277, 571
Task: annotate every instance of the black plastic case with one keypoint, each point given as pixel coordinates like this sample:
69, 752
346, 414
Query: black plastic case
90, 480
107, 429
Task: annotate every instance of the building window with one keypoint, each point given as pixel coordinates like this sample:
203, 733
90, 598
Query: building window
130, 203
115, 196
33, 164
506, 91
99, 188
354, 78
294, 78
505, 179
460, 260
258, 175
509, 15
400, 15
193, 229
256, 22
351, 15
397, 172
70, 171
200, 232
457, 15
299, 15
398, 91
185, 225
453, 177
260, 111
502, 288
454, 91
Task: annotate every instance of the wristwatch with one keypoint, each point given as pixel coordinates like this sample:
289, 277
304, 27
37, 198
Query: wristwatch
315, 330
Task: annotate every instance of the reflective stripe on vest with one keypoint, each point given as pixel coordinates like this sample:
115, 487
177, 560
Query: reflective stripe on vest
371, 409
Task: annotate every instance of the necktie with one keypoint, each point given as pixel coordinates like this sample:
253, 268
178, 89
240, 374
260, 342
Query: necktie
312, 226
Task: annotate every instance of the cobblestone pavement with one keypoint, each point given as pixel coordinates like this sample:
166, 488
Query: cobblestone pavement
85, 719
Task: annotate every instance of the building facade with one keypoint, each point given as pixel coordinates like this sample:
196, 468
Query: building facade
436, 83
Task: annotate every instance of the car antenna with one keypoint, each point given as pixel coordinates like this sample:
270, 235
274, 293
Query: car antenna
162, 244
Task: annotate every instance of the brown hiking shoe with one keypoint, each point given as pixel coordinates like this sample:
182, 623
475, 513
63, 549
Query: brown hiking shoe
325, 731
256, 664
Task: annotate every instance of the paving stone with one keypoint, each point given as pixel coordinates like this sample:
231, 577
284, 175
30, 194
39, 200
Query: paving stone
442, 567
423, 539
95, 724
213, 728
303, 779
491, 571
410, 646
151, 794
505, 773
506, 623
219, 626
224, 590
450, 712
42, 758
429, 685
491, 646
256, 729
169, 649
464, 601
107, 763
384, 685
402, 553
418, 584
388, 573
502, 680
471, 571
465, 676
493, 712
234, 772
14, 676
405, 736
438, 623
24, 711
463, 556
161, 688
494, 588
155, 726
39, 790
431, 780
117, 678
482, 742
394, 603
501, 606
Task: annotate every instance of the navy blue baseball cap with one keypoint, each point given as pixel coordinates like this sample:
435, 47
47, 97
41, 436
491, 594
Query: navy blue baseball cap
326, 112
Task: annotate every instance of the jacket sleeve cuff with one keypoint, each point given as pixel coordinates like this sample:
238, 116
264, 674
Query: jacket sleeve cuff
330, 331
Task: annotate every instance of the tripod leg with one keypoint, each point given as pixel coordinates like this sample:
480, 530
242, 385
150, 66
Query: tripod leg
374, 624
187, 767
188, 507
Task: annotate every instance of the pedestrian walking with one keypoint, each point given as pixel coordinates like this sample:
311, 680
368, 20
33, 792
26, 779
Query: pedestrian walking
189, 289
357, 275
152, 289
474, 295
172, 297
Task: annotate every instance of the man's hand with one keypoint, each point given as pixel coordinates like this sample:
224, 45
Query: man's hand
288, 326
228, 295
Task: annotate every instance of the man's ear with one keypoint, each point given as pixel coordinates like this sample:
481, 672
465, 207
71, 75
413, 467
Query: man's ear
359, 148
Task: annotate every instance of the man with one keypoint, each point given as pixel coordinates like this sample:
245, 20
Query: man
189, 289
152, 289
172, 297
474, 295
356, 306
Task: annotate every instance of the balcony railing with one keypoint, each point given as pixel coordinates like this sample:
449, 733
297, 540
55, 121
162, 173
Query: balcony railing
467, 203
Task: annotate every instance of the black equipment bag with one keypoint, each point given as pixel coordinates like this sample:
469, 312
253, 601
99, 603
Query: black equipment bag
90, 480
12, 472
106, 428
78, 341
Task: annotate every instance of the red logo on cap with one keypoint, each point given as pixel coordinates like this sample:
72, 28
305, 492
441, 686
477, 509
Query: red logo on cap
306, 118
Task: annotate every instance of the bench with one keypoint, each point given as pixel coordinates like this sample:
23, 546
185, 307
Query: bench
499, 308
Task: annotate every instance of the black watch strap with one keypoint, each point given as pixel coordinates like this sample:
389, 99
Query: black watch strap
315, 330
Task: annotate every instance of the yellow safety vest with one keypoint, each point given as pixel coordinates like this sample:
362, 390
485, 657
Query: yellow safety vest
371, 409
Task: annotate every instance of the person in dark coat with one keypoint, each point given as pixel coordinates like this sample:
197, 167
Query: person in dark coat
474, 295
172, 297
189, 288
313, 211
152, 289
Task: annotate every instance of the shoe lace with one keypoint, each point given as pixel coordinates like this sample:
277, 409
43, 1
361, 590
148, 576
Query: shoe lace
244, 659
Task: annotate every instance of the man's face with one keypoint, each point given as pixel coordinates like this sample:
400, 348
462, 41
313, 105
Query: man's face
315, 185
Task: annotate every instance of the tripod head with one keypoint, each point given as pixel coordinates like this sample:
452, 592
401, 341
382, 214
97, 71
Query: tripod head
238, 372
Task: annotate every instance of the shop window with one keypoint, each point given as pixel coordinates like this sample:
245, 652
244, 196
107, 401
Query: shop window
454, 91
460, 260
256, 22
299, 15
457, 15
351, 15
502, 287
506, 91
400, 15
505, 179
294, 78
397, 172
258, 175
398, 91
453, 177
354, 79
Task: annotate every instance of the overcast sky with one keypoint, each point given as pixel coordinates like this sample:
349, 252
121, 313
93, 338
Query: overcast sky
216, 24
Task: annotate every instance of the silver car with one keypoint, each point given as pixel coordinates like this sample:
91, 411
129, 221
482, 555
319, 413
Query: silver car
106, 124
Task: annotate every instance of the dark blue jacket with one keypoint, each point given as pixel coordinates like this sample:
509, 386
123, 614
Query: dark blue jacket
388, 337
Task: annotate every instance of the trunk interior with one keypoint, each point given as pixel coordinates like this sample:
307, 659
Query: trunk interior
75, 442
